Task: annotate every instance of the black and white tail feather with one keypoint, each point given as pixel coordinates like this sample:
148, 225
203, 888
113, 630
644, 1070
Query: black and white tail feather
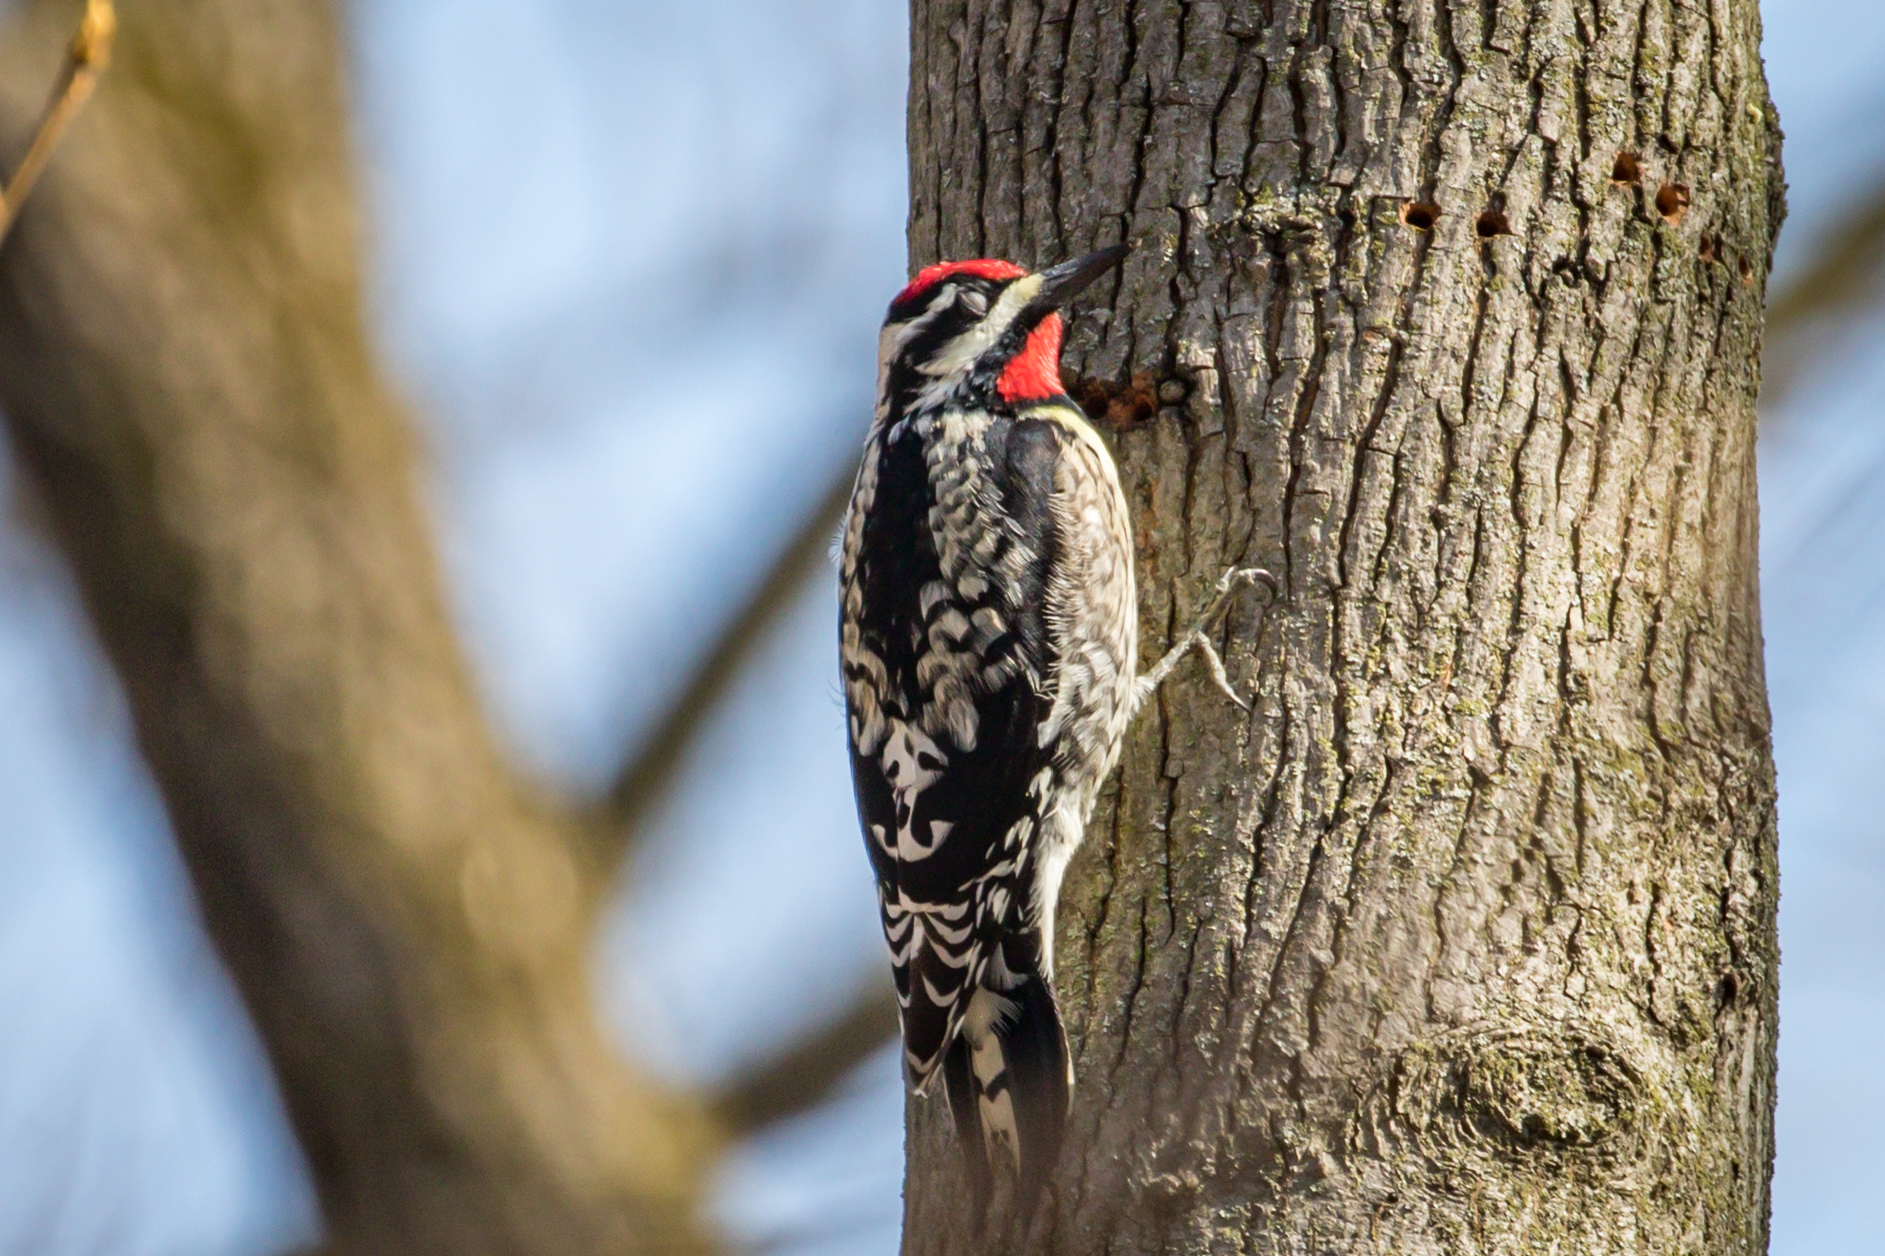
1009, 1080
989, 647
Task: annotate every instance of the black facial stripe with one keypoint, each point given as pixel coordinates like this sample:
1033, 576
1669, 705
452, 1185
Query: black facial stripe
990, 365
913, 307
937, 333
905, 380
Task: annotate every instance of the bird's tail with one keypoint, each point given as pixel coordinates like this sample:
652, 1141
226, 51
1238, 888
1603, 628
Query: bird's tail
1009, 1077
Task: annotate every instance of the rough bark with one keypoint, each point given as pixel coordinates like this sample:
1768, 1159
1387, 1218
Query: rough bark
1448, 314
186, 375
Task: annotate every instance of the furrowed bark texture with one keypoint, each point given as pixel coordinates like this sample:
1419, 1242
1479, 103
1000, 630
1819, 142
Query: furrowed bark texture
185, 371
1447, 314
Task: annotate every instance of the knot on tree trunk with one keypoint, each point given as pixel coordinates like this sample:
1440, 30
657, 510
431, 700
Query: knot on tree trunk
1504, 1129
1568, 1093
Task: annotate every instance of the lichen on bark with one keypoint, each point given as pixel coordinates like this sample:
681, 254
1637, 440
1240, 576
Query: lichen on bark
1463, 940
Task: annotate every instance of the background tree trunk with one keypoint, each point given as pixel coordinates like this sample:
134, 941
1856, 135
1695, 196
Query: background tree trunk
185, 370
187, 375
1448, 314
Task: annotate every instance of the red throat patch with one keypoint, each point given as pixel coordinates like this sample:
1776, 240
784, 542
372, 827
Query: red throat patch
1034, 373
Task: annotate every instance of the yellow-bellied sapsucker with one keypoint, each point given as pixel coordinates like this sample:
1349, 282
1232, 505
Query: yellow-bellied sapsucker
990, 670
989, 640
989, 636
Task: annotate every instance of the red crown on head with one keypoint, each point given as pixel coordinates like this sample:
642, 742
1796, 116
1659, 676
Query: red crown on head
981, 268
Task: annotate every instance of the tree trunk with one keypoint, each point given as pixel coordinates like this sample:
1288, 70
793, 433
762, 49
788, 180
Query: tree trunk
185, 370
1448, 314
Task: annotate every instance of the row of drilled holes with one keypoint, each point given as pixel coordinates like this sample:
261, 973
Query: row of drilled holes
1672, 199
1672, 202
1421, 215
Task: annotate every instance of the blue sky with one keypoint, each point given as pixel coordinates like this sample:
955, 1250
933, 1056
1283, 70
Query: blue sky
593, 315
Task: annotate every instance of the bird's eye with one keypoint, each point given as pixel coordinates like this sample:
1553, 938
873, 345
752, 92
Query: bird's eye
974, 301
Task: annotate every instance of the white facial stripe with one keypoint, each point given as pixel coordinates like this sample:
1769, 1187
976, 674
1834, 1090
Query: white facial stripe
962, 352
895, 335
950, 367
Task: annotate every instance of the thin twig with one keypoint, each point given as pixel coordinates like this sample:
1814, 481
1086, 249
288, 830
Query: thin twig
85, 59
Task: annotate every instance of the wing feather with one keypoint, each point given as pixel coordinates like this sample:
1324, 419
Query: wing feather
943, 627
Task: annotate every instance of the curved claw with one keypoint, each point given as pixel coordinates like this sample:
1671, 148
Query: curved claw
1252, 576
1218, 675
1198, 639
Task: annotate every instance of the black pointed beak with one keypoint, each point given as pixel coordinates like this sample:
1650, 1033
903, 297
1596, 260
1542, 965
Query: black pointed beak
1060, 284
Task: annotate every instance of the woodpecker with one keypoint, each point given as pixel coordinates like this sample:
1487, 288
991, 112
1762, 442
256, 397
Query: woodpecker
989, 638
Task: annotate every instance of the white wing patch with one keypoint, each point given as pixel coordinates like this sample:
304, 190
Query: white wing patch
911, 763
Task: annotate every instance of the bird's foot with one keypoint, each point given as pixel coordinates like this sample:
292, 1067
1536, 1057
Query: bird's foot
1198, 637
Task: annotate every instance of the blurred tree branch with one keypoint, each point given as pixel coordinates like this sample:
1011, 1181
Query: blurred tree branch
1842, 281
648, 774
187, 377
805, 1076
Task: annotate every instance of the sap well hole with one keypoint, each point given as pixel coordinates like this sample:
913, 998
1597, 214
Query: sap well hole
1420, 215
1491, 223
1672, 201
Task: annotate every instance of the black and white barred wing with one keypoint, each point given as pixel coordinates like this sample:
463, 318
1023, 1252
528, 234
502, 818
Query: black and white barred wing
946, 702
951, 843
